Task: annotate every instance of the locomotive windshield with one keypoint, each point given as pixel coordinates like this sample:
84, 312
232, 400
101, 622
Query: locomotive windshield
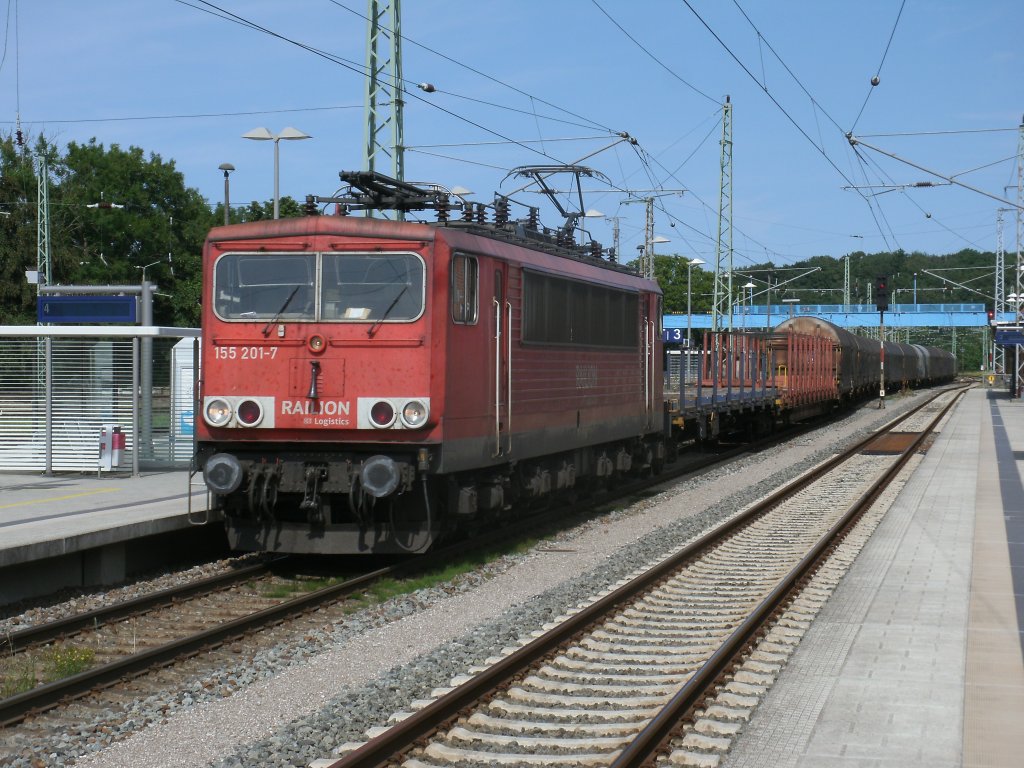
335, 287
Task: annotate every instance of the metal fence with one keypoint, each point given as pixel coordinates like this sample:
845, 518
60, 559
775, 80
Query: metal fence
92, 386
681, 365
57, 393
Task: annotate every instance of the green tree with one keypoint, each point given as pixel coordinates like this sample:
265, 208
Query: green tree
18, 230
121, 214
671, 274
114, 215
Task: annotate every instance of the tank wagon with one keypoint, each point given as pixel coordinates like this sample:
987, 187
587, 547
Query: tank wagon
369, 385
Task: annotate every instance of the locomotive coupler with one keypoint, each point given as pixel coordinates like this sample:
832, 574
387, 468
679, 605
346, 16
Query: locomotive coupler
311, 497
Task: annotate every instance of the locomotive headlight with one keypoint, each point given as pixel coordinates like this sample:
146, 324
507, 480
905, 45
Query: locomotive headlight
382, 414
217, 412
250, 413
414, 414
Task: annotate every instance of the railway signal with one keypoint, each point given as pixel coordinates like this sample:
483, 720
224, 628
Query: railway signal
881, 294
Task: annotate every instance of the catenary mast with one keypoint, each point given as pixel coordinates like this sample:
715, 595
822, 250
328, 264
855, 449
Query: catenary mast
384, 145
722, 299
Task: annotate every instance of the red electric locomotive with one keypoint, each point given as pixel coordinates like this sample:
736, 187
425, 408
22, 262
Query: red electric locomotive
369, 385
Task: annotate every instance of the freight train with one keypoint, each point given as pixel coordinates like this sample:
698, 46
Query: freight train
371, 385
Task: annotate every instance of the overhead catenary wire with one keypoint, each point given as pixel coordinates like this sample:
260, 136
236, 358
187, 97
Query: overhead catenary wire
405, 38
221, 13
878, 71
653, 58
768, 93
761, 38
227, 15
854, 141
867, 200
7, 34
193, 116
937, 133
518, 130
863, 164
530, 113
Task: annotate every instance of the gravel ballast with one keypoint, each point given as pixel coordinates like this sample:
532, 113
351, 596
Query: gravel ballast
300, 702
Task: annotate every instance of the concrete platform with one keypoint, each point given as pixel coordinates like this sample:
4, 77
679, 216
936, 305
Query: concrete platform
918, 658
72, 529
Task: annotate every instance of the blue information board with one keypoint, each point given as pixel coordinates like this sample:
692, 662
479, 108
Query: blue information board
675, 336
1009, 336
87, 309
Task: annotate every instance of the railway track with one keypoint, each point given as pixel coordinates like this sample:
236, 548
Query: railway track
132, 646
671, 661
127, 639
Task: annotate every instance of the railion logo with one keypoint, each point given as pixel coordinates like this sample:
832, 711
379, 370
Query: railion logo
315, 407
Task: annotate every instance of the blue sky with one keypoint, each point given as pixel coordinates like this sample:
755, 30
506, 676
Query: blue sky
562, 79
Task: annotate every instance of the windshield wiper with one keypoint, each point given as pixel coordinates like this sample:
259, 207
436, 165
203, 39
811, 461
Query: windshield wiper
388, 310
274, 319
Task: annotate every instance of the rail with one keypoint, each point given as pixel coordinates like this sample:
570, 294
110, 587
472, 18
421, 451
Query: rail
388, 746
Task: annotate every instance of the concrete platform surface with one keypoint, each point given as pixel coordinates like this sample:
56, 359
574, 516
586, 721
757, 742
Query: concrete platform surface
50, 516
918, 657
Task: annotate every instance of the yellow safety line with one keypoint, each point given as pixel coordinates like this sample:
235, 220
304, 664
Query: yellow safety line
58, 498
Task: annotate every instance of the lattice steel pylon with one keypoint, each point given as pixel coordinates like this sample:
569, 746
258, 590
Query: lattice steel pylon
846, 283
384, 89
647, 264
722, 297
998, 353
43, 256
1019, 315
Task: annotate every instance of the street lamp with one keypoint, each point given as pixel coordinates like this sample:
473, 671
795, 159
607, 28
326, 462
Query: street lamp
750, 304
685, 369
227, 168
263, 134
689, 319
147, 266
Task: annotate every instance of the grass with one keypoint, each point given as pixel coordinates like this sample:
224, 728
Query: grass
297, 587
23, 673
389, 588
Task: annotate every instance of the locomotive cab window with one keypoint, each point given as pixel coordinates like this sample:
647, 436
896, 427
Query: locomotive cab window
262, 287
305, 287
465, 283
372, 287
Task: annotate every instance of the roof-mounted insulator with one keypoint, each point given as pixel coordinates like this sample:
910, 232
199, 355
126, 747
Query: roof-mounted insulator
443, 210
501, 210
533, 218
481, 213
467, 212
595, 249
